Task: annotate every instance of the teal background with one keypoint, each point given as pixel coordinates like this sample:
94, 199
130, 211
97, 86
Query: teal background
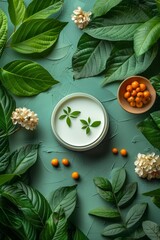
122, 133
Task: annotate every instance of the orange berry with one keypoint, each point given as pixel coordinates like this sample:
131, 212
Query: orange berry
65, 162
137, 99
138, 89
130, 99
55, 162
114, 150
75, 175
146, 94
133, 93
123, 152
145, 100
140, 94
127, 94
129, 88
139, 104
135, 84
132, 104
142, 86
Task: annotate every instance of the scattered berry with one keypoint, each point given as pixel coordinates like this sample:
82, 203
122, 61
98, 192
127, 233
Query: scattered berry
115, 150
123, 152
75, 175
65, 162
55, 162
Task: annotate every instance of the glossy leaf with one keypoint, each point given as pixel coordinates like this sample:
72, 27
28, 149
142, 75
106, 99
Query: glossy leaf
127, 194
22, 159
16, 9
151, 229
106, 195
118, 176
64, 197
3, 29
135, 214
101, 7
155, 81
124, 63
114, 230
102, 183
156, 118
36, 36
43, 9
90, 57
4, 153
26, 78
105, 213
4, 178
147, 35
117, 26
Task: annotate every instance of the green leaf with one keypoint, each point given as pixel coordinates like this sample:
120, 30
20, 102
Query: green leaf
16, 9
4, 178
84, 122
96, 124
151, 131
101, 7
62, 117
106, 195
64, 197
43, 9
155, 81
118, 176
4, 153
153, 193
127, 194
151, 229
3, 29
156, 201
68, 121
36, 36
105, 212
79, 235
90, 57
75, 114
102, 183
147, 35
156, 117
22, 159
123, 63
26, 78
158, 4
88, 130
135, 214
114, 230
69, 109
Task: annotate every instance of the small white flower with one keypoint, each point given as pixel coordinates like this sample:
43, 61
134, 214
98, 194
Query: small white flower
25, 117
80, 17
147, 166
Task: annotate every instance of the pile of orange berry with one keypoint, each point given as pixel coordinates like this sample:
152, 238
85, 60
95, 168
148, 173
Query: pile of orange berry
137, 94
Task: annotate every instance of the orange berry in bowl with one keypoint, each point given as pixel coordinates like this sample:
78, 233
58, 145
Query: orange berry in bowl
132, 104
146, 94
130, 99
142, 86
139, 104
127, 95
135, 84
129, 88
133, 93
140, 94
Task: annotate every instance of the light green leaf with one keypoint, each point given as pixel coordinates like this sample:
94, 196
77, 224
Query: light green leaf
26, 78
4, 178
127, 194
64, 197
135, 214
3, 29
88, 130
147, 35
16, 9
84, 122
36, 36
123, 63
22, 159
118, 176
90, 57
105, 213
155, 81
96, 124
102, 183
75, 114
68, 121
114, 230
151, 229
101, 7
43, 9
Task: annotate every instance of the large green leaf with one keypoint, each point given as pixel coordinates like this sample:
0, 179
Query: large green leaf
4, 153
114, 230
16, 9
118, 176
135, 214
119, 25
153, 193
151, 229
26, 78
90, 57
150, 130
155, 81
3, 29
102, 183
42, 9
158, 4
101, 7
127, 194
4, 178
156, 118
64, 197
123, 63
105, 212
147, 35
79, 235
22, 159
36, 36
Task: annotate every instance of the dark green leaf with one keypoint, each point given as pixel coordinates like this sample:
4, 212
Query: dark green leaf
16, 9
79, 235
43, 9
118, 176
4, 153
3, 29
84, 122
62, 117
26, 78
158, 5
69, 109
127, 194
96, 124
89, 120
102, 183
88, 130
64, 197
75, 114
156, 118
156, 201
4, 178
68, 121
90, 57
114, 230
65, 111
151, 229
22, 159
101, 7
137, 234
84, 127
135, 214
106, 195
155, 81
105, 213
36, 36
153, 193
147, 35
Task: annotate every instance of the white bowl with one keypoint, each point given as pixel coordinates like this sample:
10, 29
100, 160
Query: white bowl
74, 137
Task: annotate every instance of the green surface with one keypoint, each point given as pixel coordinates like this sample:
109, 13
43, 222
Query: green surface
123, 132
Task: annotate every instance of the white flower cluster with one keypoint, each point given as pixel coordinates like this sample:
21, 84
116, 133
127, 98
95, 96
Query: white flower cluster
81, 18
25, 117
148, 165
